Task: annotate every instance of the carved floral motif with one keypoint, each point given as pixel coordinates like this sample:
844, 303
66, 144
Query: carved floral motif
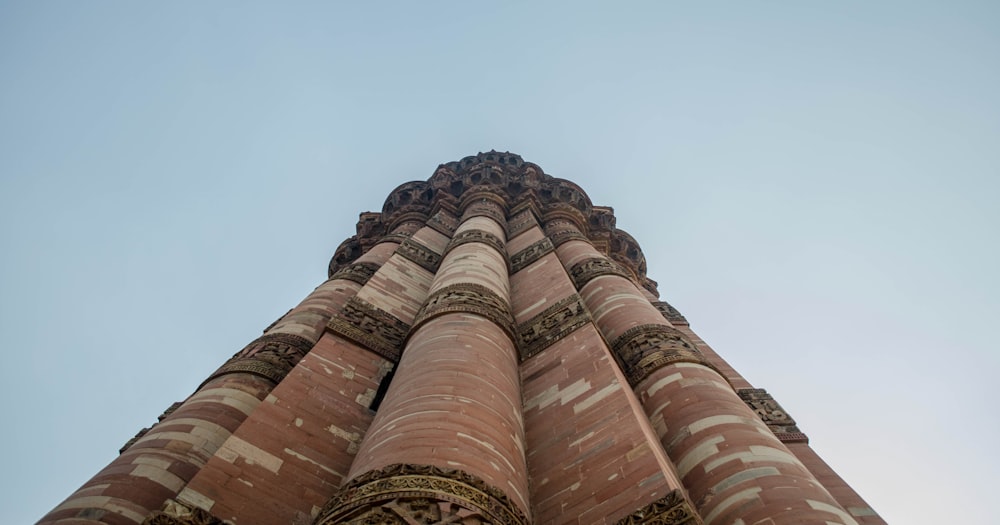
420, 254
471, 298
527, 256
551, 325
480, 236
670, 313
176, 513
371, 327
672, 509
772, 414
419, 494
646, 348
357, 272
582, 272
270, 356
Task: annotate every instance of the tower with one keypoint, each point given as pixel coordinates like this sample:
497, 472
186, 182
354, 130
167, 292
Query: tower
486, 349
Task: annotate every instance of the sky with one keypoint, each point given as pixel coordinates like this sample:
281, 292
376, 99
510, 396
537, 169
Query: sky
814, 185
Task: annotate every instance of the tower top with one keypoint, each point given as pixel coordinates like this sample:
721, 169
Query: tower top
520, 186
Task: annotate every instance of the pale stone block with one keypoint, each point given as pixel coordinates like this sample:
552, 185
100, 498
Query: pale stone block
721, 419
662, 382
158, 475
773, 454
703, 451
193, 498
826, 507
154, 462
302, 457
744, 475
250, 453
742, 495
596, 397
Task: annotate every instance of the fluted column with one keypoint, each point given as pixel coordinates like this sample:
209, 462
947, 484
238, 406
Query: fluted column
448, 439
731, 463
158, 463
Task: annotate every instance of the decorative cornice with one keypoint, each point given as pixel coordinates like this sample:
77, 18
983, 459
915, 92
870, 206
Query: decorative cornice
643, 349
357, 272
470, 298
371, 327
420, 254
480, 236
391, 494
551, 325
672, 509
670, 313
773, 415
270, 356
529, 255
582, 272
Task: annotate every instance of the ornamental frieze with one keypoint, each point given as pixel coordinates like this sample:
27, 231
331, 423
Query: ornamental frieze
582, 272
419, 254
270, 356
672, 509
670, 313
551, 325
480, 236
771, 413
527, 256
643, 349
371, 327
409, 494
469, 298
357, 272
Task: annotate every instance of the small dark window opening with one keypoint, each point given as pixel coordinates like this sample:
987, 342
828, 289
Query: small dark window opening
382, 388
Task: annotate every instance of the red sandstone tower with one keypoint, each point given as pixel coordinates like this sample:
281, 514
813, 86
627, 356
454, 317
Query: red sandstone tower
487, 349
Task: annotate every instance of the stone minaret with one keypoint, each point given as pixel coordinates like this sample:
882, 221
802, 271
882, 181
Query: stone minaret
486, 349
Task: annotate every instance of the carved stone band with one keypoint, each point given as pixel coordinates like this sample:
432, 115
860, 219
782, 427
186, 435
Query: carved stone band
772, 414
551, 325
643, 349
420, 254
480, 236
521, 224
357, 272
559, 237
670, 313
672, 509
471, 298
270, 356
395, 237
402, 493
582, 272
371, 327
485, 208
443, 223
525, 257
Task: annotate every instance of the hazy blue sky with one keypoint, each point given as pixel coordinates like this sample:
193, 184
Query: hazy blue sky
814, 185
